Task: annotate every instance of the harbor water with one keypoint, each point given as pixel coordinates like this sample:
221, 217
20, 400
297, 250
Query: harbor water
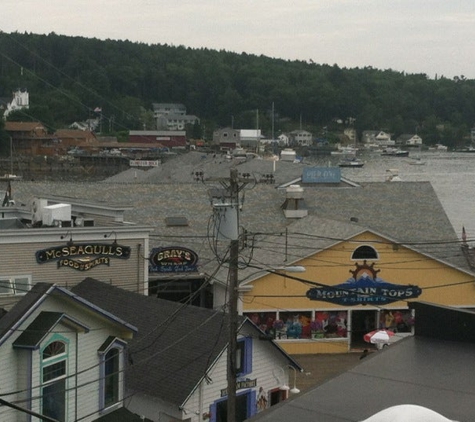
452, 175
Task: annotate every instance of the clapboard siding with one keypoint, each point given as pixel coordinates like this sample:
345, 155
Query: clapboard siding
19, 259
269, 368
83, 370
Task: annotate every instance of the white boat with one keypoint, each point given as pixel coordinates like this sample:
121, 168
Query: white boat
395, 152
347, 150
438, 147
7, 177
351, 162
470, 149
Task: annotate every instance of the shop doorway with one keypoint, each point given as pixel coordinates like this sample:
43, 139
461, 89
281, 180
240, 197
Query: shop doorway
243, 408
277, 395
362, 322
188, 290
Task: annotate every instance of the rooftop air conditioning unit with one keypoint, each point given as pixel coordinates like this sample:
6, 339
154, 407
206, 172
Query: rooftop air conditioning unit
37, 207
57, 212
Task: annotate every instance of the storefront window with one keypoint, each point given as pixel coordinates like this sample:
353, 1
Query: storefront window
264, 320
292, 325
302, 324
329, 324
400, 321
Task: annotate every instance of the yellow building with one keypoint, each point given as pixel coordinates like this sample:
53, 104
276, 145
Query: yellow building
277, 300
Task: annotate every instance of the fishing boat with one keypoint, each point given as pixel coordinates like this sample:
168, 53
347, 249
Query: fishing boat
345, 150
351, 162
395, 152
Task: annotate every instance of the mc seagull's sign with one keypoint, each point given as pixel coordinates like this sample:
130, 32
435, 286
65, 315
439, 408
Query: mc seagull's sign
83, 257
364, 291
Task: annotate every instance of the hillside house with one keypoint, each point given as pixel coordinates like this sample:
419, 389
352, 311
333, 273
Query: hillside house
300, 138
377, 138
20, 101
172, 116
227, 138
408, 139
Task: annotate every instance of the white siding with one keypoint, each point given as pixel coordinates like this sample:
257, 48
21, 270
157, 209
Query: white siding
83, 359
126, 273
269, 368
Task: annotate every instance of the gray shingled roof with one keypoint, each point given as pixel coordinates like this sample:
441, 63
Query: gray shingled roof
41, 326
12, 317
406, 212
169, 353
176, 344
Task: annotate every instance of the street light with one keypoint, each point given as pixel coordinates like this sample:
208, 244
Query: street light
285, 387
294, 389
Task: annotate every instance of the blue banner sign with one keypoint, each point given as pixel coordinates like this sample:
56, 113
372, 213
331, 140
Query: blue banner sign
365, 291
321, 175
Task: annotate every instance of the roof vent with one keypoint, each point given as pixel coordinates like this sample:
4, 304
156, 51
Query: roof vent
294, 205
176, 221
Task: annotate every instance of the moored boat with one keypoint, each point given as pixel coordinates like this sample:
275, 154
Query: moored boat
470, 149
352, 162
395, 152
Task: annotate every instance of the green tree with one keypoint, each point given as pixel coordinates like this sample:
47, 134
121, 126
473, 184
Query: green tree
4, 140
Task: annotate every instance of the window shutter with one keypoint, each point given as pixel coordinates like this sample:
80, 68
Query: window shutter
248, 356
212, 410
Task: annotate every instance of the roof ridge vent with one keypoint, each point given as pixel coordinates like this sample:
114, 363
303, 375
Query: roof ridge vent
294, 205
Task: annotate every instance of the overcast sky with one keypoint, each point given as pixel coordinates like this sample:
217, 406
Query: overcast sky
436, 37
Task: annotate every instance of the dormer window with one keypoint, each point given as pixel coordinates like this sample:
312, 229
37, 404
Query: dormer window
365, 252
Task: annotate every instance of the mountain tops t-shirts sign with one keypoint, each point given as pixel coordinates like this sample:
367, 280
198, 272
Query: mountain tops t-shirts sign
364, 288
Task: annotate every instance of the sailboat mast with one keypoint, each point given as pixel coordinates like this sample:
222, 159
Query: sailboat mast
11, 155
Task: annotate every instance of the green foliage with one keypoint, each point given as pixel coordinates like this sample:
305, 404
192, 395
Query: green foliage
68, 77
4, 140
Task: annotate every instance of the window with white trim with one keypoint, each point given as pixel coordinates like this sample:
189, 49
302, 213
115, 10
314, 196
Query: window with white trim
15, 285
111, 377
111, 372
244, 356
54, 360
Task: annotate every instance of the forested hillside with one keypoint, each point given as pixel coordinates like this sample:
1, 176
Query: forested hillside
68, 77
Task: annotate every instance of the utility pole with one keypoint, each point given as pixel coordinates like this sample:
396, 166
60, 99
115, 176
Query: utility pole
233, 303
229, 231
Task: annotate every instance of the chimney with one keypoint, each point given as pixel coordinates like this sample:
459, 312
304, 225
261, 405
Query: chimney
294, 205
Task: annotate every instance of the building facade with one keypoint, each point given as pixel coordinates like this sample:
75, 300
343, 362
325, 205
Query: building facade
56, 363
178, 369
60, 240
365, 287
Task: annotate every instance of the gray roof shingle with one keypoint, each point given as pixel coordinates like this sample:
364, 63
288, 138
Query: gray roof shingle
169, 353
406, 212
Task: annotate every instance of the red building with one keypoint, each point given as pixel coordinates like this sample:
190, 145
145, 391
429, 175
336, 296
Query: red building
169, 139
